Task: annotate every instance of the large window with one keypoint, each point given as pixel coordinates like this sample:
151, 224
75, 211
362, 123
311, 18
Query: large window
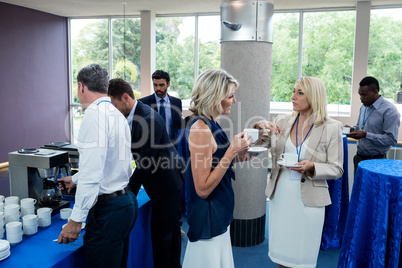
385, 51
90, 44
326, 52
209, 34
178, 53
284, 55
126, 43
175, 52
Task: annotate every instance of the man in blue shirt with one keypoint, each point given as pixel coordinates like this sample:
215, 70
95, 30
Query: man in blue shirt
378, 124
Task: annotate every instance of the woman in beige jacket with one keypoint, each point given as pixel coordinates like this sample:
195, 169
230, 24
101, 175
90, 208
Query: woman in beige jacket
298, 194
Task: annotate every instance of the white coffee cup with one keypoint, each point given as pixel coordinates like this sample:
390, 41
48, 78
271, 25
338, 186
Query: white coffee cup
28, 202
1, 233
11, 218
30, 229
44, 222
253, 134
2, 198
346, 130
44, 212
2, 215
1, 206
12, 200
289, 159
27, 211
14, 227
14, 238
65, 213
30, 220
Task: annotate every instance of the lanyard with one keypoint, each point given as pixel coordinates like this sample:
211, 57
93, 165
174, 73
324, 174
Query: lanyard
365, 120
299, 151
103, 101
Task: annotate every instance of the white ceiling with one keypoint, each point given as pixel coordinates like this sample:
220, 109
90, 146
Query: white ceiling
89, 8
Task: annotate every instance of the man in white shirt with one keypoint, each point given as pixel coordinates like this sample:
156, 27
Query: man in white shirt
103, 198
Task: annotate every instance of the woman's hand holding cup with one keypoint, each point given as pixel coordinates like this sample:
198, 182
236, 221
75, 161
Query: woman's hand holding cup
241, 142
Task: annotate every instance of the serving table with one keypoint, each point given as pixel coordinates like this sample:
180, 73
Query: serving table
40, 250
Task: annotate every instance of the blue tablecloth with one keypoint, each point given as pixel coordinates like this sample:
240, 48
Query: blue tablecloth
374, 224
41, 251
336, 213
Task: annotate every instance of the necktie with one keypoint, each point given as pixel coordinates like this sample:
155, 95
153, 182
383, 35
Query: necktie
162, 109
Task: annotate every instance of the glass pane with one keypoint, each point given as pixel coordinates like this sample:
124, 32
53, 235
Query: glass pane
385, 51
284, 56
77, 115
328, 41
89, 44
126, 36
209, 34
175, 52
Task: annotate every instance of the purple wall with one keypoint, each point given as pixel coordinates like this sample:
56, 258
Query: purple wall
33, 79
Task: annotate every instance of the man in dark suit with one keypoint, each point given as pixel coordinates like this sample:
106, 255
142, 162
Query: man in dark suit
170, 108
158, 169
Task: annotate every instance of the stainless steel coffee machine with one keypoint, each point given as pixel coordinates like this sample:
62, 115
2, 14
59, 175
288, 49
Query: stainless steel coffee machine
34, 172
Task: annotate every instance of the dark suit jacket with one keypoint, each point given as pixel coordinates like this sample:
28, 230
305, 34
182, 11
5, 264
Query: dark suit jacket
176, 111
158, 165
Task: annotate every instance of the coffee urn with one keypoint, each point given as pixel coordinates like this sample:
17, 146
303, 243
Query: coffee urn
33, 170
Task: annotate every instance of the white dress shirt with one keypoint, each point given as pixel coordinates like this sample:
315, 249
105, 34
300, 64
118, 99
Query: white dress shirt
104, 143
131, 115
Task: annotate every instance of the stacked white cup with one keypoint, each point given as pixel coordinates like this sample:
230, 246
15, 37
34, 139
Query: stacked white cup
30, 224
1, 203
12, 213
27, 206
14, 232
2, 224
11, 200
2, 219
44, 217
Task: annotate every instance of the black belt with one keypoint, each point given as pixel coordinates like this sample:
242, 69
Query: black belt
104, 197
376, 156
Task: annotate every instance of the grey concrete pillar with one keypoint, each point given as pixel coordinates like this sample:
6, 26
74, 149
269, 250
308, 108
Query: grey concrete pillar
249, 61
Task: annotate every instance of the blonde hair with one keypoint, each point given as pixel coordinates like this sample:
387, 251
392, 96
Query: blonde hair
211, 87
316, 94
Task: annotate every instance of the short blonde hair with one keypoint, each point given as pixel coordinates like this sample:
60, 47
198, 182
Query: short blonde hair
316, 94
211, 87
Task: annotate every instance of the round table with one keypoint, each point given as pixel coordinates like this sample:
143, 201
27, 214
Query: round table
373, 229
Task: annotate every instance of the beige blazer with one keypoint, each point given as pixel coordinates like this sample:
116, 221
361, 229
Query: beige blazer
324, 148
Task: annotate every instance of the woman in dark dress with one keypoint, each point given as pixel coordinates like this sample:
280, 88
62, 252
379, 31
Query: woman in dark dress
210, 196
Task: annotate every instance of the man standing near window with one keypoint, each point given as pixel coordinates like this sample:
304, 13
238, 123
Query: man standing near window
103, 198
157, 168
378, 124
169, 107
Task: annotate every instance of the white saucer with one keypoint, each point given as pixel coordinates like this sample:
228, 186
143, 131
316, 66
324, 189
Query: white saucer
4, 245
5, 257
280, 162
257, 150
4, 254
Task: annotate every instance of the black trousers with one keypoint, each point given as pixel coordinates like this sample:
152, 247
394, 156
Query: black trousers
358, 158
107, 231
165, 231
